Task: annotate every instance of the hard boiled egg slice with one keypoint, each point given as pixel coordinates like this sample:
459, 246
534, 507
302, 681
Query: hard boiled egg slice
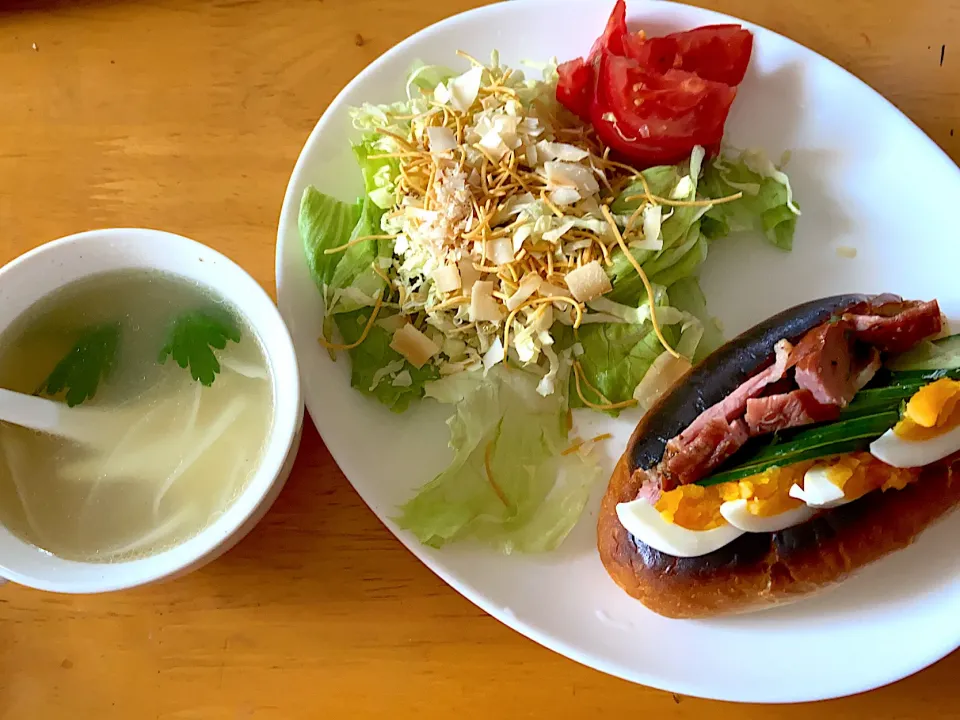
739, 516
904, 453
818, 490
929, 430
645, 523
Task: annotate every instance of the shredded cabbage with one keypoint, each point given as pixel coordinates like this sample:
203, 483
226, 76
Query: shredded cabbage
481, 273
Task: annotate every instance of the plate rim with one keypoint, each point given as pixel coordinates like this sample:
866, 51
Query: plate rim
589, 659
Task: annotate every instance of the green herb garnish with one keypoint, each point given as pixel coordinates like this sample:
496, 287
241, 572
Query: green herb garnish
193, 336
90, 360
810, 444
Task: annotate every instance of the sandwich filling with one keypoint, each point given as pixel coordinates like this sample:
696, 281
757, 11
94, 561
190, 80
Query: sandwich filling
823, 424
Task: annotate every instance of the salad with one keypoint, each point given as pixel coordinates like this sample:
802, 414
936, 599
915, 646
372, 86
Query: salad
510, 259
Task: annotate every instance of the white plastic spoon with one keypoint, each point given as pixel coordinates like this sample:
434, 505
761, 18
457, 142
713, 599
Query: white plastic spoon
84, 425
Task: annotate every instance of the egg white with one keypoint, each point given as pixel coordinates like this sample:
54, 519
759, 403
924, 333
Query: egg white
818, 490
901, 453
644, 522
736, 513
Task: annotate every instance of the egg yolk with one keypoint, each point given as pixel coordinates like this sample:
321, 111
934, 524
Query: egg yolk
933, 410
696, 507
859, 473
768, 493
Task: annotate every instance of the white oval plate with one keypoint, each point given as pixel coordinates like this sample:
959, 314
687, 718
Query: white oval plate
866, 177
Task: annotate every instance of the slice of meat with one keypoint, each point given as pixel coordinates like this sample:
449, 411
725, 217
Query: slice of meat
735, 435
651, 485
864, 368
735, 403
823, 360
686, 462
897, 326
779, 412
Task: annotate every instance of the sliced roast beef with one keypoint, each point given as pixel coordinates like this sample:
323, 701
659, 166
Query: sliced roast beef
728, 441
865, 367
823, 359
897, 326
779, 412
735, 403
650, 483
688, 461
830, 363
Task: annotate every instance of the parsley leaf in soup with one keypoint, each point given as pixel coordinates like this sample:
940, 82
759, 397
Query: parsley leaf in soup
192, 339
88, 362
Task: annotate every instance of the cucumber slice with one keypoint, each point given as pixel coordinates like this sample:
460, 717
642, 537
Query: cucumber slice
942, 354
925, 376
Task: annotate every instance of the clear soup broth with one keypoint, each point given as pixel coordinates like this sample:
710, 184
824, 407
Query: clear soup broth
178, 444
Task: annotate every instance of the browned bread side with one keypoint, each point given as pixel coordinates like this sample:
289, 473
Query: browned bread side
763, 569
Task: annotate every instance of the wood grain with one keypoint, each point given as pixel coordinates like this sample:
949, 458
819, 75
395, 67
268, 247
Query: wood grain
188, 116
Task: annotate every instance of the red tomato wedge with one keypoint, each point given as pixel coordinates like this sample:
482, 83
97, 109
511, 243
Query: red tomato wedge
715, 52
613, 34
653, 99
655, 118
657, 54
575, 87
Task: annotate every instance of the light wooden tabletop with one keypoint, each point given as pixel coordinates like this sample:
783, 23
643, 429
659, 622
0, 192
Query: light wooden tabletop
188, 115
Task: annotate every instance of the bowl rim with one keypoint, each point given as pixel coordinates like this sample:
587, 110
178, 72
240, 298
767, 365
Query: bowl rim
248, 298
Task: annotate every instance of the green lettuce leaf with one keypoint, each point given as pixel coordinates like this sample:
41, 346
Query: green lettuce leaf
346, 278
350, 286
665, 267
354, 270
379, 174
682, 244
372, 356
662, 180
325, 223
687, 296
667, 258
427, 77
615, 358
533, 495
765, 204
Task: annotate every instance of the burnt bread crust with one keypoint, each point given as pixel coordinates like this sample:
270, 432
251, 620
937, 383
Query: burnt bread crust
763, 569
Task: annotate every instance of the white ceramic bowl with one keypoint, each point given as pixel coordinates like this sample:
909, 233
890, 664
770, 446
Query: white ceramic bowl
45, 269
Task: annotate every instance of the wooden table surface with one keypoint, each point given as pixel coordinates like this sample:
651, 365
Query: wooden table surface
188, 115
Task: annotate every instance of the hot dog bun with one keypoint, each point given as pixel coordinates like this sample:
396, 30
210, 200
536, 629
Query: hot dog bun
764, 569
759, 570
